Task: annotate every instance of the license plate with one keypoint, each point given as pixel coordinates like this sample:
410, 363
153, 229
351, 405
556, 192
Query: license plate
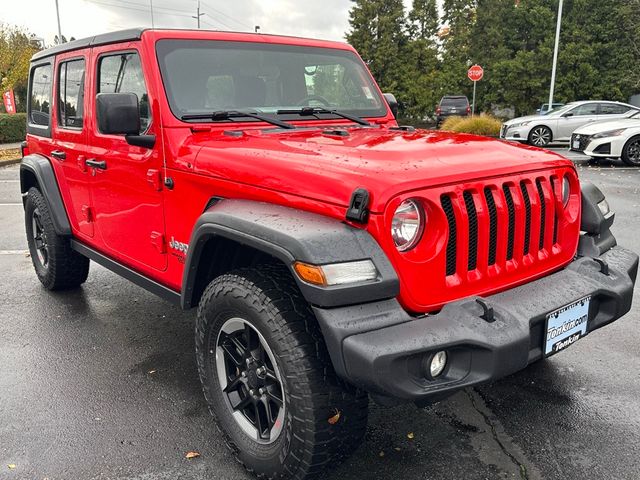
576, 145
566, 326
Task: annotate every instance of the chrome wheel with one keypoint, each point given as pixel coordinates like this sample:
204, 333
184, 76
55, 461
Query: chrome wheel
540, 136
39, 238
633, 152
250, 380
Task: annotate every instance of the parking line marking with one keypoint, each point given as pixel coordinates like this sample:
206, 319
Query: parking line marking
14, 252
10, 204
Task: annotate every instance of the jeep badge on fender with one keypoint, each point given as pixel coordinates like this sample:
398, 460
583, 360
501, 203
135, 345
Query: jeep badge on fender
332, 255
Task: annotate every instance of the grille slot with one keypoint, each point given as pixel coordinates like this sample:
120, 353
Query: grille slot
555, 215
527, 216
472, 218
512, 220
543, 213
447, 206
493, 225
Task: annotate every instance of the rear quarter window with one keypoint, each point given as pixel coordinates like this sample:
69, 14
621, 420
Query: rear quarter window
39, 114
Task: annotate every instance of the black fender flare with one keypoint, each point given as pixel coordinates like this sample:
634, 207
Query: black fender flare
291, 235
40, 168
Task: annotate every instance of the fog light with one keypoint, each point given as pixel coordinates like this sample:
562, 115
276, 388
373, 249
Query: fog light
604, 207
434, 365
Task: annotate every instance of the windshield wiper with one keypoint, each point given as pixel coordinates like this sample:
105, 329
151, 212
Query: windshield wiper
313, 111
230, 114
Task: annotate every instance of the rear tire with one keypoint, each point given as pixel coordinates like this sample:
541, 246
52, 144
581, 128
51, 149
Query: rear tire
57, 266
260, 309
540, 136
631, 152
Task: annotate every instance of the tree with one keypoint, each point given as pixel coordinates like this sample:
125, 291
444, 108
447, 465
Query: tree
379, 33
16, 50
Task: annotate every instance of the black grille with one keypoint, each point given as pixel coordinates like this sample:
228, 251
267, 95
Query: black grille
543, 213
493, 225
527, 213
512, 220
447, 206
472, 218
583, 142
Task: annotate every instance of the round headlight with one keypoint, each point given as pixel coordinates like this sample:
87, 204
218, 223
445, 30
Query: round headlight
566, 190
407, 225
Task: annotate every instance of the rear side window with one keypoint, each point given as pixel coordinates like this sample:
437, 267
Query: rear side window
40, 97
122, 73
71, 94
612, 109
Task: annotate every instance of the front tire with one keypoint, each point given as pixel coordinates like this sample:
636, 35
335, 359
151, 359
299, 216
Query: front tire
540, 136
57, 266
268, 379
631, 152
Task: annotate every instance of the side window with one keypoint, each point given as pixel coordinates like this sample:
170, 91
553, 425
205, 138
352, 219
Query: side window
122, 73
612, 109
586, 109
40, 96
71, 93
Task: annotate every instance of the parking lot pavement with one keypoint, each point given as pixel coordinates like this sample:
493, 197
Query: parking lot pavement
101, 383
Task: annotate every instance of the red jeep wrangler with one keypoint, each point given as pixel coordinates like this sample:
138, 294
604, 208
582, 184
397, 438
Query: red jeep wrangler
331, 254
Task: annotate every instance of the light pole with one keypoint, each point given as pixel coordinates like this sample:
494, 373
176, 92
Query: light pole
59, 29
555, 56
198, 15
152, 22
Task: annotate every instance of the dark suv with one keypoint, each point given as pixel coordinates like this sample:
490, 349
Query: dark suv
452, 106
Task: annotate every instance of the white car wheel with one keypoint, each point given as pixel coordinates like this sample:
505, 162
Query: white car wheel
540, 136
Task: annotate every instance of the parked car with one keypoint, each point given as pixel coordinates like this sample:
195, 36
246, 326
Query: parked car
559, 124
452, 106
616, 139
544, 109
332, 255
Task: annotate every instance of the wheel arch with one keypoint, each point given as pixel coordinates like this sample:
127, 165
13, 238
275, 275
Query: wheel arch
236, 233
36, 171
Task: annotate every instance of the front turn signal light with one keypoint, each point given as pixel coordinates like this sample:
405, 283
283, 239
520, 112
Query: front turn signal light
336, 273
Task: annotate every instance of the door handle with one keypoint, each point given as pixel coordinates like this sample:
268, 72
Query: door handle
93, 163
59, 154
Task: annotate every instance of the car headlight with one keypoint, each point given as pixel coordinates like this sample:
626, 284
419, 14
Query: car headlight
566, 190
407, 225
521, 124
609, 133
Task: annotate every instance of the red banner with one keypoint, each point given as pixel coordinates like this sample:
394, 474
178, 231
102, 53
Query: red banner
9, 102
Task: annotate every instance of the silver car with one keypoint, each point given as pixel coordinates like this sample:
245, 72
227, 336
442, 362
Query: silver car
560, 123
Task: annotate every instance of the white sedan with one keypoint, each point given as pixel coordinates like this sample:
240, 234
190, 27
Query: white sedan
616, 139
559, 124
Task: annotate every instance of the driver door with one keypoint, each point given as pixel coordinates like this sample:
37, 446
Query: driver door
574, 119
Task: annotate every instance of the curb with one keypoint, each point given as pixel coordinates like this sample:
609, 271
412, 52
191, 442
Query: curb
13, 161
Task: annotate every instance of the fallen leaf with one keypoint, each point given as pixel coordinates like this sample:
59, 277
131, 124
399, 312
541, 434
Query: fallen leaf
335, 418
410, 435
191, 455
381, 453
151, 372
397, 449
11, 466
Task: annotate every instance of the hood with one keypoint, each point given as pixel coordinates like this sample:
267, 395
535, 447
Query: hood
597, 127
314, 164
528, 118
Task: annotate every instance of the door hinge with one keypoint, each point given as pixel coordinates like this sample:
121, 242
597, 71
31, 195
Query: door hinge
155, 179
87, 212
157, 240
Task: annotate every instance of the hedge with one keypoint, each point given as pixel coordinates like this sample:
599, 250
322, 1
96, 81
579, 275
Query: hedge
479, 124
13, 127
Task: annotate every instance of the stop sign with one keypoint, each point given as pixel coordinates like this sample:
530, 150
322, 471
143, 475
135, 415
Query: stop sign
475, 73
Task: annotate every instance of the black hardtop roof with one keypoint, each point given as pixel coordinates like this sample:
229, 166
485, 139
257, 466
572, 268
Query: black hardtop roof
103, 39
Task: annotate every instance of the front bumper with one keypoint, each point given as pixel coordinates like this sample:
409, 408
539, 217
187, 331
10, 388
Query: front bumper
378, 347
515, 134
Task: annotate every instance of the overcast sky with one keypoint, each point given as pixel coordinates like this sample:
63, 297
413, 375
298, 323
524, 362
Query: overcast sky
326, 19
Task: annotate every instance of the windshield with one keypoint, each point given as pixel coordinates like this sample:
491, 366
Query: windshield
203, 76
460, 102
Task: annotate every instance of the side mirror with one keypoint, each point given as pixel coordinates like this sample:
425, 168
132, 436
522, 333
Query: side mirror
118, 113
567, 115
393, 103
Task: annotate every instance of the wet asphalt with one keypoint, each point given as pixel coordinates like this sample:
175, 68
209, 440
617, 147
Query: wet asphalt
101, 383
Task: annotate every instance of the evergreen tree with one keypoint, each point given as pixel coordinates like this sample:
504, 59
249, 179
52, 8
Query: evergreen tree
459, 18
379, 33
